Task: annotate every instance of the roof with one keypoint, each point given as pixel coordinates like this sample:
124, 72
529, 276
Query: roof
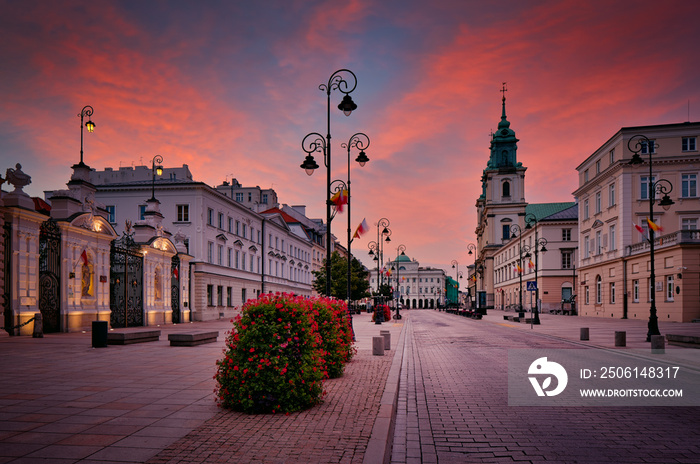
287, 218
570, 213
545, 210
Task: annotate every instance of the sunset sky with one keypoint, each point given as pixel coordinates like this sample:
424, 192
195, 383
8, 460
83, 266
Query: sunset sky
230, 88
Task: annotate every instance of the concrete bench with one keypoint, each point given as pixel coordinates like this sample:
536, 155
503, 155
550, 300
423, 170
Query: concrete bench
130, 336
193, 338
683, 340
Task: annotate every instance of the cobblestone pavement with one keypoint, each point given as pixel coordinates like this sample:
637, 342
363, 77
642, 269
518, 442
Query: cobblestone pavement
453, 406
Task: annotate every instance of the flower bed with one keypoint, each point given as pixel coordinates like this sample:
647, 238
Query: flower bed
280, 350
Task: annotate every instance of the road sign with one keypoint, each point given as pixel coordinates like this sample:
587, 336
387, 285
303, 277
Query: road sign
531, 286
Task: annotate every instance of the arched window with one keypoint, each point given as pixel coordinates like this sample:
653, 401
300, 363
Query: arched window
598, 290
506, 188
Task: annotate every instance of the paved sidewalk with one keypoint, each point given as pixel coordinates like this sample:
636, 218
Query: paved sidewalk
62, 401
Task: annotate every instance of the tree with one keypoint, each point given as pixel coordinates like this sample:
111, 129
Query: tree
359, 282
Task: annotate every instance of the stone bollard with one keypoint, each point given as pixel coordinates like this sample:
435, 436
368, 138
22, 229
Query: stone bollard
378, 346
658, 344
387, 339
38, 326
620, 338
584, 333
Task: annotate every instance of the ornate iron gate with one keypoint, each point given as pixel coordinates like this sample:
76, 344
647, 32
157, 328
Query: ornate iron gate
7, 267
175, 289
49, 275
126, 283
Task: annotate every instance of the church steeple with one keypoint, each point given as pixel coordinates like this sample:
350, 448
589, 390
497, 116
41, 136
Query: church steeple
504, 144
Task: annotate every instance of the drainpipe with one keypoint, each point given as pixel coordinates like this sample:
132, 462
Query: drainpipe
262, 259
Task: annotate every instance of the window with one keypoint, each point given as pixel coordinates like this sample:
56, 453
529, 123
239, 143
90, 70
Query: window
612, 292
111, 214
635, 291
220, 295
243, 298
142, 212
210, 252
587, 295
597, 203
585, 175
586, 247
264, 198
221, 220
220, 255
506, 189
243, 261
229, 301
689, 185
252, 260
646, 147
239, 197
210, 295
250, 197
566, 259
244, 231
598, 290
598, 242
611, 195
689, 224
230, 225
585, 209
597, 167
506, 232
612, 156
688, 144
230, 258
210, 216
613, 238
645, 186
669, 287
183, 213
238, 255
566, 235
238, 225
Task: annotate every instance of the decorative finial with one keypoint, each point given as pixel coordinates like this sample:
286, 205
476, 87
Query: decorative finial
503, 91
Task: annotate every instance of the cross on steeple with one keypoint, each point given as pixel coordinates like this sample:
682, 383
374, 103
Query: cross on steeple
503, 91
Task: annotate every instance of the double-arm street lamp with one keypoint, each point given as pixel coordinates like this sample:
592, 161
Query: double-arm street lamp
664, 187
540, 246
337, 81
89, 125
515, 229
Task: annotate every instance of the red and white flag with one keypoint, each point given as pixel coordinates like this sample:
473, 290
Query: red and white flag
361, 229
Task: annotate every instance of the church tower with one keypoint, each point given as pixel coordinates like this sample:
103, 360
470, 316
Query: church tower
502, 201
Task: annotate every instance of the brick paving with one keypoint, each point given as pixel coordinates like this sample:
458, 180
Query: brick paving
453, 403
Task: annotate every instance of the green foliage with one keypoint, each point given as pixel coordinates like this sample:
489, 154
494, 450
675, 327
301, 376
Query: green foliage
274, 360
359, 283
336, 334
279, 352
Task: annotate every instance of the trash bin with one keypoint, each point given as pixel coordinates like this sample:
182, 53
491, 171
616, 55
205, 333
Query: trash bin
99, 334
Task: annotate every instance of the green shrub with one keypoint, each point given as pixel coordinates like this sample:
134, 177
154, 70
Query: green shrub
333, 322
274, 359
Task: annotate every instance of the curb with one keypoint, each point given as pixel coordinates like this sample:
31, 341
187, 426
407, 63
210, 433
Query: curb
379, 447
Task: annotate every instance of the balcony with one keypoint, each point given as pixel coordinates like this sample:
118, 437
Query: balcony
680, 237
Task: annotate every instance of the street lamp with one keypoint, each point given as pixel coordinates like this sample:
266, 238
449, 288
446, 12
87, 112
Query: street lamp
516, 229
337, 81
86, 111
458, 275
540, 246
156, 169
402, 249
664, 187
472, 251
361, 142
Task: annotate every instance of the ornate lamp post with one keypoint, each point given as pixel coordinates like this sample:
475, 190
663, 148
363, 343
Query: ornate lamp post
540, 246
515, 229
472, 251
402, 249
335, 82
458, 275
156, 169
664, 187
361, 142
89, 125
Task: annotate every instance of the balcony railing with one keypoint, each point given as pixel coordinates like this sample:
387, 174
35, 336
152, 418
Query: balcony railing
664, 241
